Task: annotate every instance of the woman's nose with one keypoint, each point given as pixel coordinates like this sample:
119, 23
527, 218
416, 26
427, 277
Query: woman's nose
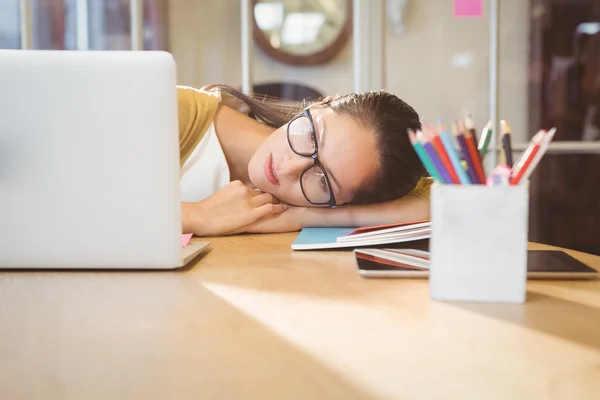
294, 165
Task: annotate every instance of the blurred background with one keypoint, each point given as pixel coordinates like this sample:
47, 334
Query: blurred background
438, 55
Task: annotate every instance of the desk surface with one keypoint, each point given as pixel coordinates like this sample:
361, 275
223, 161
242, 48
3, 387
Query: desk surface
253, 320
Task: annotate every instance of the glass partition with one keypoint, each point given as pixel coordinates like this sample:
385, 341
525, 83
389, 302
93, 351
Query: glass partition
550, 77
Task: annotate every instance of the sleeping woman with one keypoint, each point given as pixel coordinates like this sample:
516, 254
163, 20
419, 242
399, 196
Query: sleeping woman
258, 165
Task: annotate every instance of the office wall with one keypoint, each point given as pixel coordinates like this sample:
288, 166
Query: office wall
440, 65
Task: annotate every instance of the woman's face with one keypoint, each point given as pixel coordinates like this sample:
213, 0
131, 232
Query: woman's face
346, 150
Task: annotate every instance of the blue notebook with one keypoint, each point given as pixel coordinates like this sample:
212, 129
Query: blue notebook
326, 238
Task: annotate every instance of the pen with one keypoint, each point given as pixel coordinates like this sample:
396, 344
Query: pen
506, 145
422, 154
501, 155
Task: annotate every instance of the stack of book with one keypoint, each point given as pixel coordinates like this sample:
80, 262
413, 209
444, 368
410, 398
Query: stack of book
417, 233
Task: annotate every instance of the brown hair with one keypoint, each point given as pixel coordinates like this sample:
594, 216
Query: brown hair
379, 111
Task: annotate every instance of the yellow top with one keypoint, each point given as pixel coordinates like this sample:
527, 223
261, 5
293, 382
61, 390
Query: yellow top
197, 110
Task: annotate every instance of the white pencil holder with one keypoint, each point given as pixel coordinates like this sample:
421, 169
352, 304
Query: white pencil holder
479, 243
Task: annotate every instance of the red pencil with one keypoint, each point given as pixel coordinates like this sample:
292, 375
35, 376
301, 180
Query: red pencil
441, 150
514, 180
475, 156
470, 125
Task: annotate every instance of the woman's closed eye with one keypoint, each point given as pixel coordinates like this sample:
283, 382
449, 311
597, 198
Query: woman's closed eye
312, 136
323, 182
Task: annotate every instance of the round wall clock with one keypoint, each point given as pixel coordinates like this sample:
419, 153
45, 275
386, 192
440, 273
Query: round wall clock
302, 32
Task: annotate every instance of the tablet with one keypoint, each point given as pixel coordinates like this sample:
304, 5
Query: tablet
541, 264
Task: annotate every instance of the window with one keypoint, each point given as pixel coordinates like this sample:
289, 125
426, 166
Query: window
83, 24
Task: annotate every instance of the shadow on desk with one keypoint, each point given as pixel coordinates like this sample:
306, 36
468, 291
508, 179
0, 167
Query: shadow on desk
151, 336
565, 319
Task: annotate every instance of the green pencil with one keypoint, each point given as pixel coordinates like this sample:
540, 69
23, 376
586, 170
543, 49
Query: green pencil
484, 141
420, 150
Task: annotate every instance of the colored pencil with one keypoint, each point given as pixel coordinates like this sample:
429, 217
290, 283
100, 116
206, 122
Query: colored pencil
474, 156
484, 140
465, 153
470, 126
453, 155
448, 163
422, 154
538, 136
506, 145
535, 148
437, 161
441, 151
546, 139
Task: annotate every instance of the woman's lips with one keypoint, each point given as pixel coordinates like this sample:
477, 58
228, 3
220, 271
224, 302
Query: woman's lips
270, 170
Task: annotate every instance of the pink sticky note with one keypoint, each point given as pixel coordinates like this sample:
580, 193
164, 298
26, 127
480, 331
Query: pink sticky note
185, 239
468, 8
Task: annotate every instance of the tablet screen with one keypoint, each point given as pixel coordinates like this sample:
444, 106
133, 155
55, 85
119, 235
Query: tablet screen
554, 261
538, 261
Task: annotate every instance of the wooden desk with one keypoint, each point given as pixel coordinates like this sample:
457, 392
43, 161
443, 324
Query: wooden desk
252, 320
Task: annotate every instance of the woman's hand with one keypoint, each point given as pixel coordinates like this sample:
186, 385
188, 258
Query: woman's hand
229, 210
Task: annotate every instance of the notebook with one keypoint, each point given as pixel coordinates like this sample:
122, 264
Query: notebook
416, 233
403, 258
389, 231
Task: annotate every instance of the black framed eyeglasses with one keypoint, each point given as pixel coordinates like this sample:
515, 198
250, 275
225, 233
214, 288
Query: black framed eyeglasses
314, 181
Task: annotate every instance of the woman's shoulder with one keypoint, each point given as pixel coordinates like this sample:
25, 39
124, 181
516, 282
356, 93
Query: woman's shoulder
196, 111
190, 97
423, 189
208, 99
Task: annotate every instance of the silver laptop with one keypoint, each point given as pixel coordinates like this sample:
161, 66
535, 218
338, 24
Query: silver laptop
89, 161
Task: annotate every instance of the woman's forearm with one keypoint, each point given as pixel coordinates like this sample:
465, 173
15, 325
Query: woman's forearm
408, 208
187, 217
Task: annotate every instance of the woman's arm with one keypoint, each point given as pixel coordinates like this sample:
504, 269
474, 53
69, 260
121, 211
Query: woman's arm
408, 208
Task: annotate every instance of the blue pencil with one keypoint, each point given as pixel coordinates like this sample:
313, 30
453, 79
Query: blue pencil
454, 157
420, 150
437, 162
